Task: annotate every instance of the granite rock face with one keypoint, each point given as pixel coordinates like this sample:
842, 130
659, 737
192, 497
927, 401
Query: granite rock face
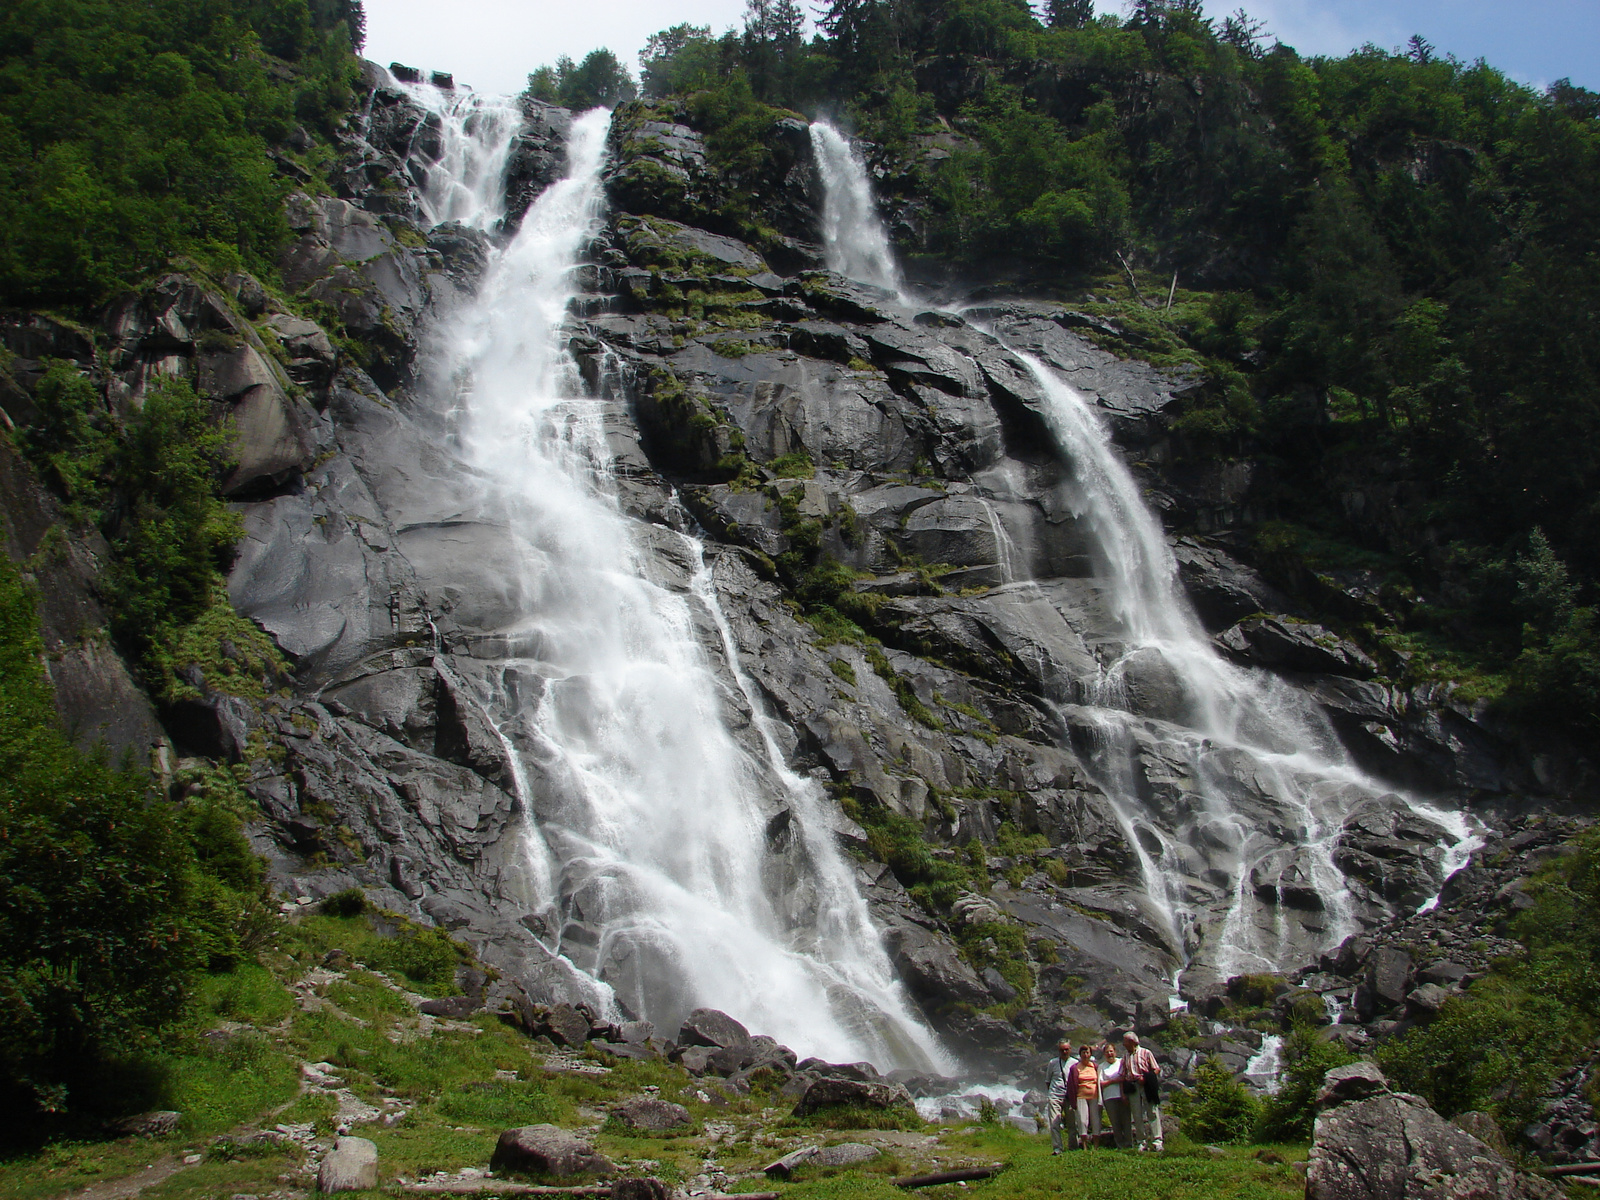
1373, 1144
927, 445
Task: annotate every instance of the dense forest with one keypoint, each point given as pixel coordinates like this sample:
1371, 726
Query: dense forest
1384, 264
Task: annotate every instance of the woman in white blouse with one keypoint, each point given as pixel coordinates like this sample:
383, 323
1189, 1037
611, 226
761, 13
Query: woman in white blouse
1113, 1096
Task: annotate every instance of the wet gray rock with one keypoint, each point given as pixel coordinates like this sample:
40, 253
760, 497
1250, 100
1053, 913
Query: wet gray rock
538, 155
1270, 642
1223, 589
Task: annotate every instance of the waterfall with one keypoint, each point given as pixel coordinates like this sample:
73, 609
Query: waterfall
672, 866
1269, 783
853, 237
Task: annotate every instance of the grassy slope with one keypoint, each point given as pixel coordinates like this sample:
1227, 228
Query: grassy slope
461, 1082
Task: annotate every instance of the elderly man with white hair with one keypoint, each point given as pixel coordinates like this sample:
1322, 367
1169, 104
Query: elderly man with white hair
1144, 1105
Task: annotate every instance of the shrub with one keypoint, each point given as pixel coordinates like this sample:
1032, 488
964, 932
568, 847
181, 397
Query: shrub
351, 902
1287, 1116
1218, 1108
424, 956
96, 891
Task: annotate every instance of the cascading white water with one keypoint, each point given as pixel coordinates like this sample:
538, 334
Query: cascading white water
650, 854
1235, 724
1233, 719
853, 237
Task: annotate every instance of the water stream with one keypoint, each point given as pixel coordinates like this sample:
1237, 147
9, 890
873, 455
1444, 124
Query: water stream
1237, 857
652, 859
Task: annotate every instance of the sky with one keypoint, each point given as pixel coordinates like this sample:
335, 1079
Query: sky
491, 45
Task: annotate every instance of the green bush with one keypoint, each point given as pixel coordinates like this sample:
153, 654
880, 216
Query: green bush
110, 900
424, 956
351, 902
97, 884
1219, 1108
1288, 1114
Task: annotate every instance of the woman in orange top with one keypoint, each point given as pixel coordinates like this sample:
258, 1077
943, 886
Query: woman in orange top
1085, 1081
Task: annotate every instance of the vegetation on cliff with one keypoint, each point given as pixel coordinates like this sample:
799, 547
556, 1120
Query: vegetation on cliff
112, 902
133, 132
1386, 264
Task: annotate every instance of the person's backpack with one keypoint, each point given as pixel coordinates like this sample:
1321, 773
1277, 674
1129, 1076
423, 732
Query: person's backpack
1152, 1083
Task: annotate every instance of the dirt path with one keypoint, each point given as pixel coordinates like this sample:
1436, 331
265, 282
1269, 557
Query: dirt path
162, 1169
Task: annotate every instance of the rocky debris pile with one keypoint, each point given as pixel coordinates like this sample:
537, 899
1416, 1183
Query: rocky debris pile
1381, 982
1566, 1131
1370, 1143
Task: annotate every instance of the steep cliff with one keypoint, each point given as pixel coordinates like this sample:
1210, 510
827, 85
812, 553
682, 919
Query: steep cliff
891, 529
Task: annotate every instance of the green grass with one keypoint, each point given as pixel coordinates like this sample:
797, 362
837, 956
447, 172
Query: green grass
217, 1087
467, 1081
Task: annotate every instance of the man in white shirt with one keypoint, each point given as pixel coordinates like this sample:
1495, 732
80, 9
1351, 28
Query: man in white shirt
1145, 1112
1059, 1103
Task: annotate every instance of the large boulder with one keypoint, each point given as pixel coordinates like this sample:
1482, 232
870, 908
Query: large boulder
1387, 982
652, 1114
854, 1093
708, 1027
566, 1026
932, 970
1373, 1144
547, 1150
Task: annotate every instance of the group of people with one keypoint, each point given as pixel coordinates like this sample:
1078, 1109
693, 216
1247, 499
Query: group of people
1100, 1085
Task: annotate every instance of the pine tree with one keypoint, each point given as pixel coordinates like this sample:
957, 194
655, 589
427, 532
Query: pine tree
1069, 14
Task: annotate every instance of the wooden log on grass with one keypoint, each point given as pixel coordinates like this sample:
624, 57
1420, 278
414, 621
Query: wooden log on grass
965, 1175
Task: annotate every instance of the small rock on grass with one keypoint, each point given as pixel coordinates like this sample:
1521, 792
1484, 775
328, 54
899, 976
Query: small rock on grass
846, 1154
651, 1113
351, 1166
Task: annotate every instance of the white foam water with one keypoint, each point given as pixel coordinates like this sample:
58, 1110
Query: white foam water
1270, 781
650, 852
853, 236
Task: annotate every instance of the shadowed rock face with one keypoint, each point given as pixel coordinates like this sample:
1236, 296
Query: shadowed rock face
933, 477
